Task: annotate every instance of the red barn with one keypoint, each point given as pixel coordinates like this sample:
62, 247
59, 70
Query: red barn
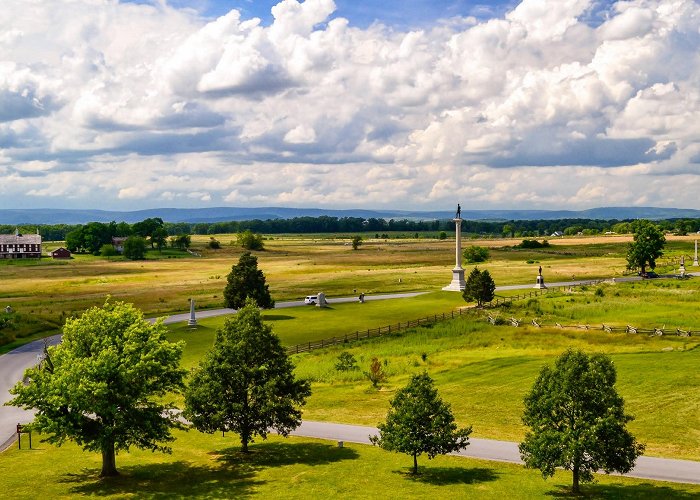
61, 253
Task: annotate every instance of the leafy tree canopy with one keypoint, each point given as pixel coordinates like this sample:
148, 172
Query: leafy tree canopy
647, 246
419, 421
250, 241
475, 253
577, 420
107, 385
246, 280
246, 383
480, 287
134, 248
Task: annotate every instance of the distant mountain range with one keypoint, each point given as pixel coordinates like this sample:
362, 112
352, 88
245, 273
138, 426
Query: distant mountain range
219, 214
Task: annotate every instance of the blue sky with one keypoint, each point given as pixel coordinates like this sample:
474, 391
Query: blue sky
532, 104
398, 14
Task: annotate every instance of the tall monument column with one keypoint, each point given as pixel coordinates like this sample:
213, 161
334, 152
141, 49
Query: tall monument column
695, 260
457, 284
193, 320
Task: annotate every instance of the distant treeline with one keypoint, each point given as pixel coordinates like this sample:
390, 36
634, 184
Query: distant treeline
326, 224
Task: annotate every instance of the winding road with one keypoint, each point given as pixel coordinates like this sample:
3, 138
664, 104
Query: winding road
13, 364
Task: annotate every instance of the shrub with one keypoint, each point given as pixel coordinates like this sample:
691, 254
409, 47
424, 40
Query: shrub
356, 242
376, 374
108, 250
214, 243
530, 244
475, 254
250, 241
346, 362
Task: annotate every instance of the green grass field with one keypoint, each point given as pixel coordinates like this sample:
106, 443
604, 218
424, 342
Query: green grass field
485, 370
482, 370
210, 466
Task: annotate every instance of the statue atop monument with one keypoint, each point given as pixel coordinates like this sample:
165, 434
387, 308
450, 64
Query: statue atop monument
459, 212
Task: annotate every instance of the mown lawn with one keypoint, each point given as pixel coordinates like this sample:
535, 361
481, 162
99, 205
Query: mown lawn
210, 466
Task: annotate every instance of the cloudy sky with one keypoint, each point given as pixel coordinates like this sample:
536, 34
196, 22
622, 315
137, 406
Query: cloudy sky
413, 104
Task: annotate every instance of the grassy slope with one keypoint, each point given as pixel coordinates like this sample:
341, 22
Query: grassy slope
484, 371
209, 466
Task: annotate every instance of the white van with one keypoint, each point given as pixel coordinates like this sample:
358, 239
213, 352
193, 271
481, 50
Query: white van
311, 300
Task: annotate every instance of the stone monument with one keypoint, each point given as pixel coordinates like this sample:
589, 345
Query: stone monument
457, 284
695, 260
192, 321
321, 302
540, 280
681, 271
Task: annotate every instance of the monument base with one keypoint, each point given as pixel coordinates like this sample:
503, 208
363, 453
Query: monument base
695, 263
457, 284
540, 282
191, 322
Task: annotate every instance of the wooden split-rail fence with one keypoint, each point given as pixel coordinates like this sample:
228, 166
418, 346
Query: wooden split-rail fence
395, 328
606, 328
375, 332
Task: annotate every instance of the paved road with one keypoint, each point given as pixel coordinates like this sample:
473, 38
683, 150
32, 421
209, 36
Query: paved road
661, 469
12, 366
210, 313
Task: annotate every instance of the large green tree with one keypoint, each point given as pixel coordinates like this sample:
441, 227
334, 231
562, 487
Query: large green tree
648, 245
134, 248
246, 280
245, 383
577, 420
420, 422
480, 287
147, 228
107, 385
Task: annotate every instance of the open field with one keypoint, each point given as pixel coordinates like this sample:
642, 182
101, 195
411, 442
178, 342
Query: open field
45, 292
210, 466
482, 370
485, 370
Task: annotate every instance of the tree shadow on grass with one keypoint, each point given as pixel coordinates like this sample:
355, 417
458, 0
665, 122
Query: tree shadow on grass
442, 476
230, 473
276, 317
278, 454
167, 480
624, 491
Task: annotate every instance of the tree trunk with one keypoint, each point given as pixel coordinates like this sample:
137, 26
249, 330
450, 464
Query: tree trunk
109, 461
245, 438
415, 463
575, 487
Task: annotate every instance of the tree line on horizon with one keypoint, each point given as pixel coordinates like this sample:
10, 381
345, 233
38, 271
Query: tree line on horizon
326, 224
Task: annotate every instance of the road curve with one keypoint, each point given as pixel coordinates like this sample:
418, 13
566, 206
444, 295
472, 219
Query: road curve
660, 469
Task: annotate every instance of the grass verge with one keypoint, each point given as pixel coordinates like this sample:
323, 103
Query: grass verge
210, 466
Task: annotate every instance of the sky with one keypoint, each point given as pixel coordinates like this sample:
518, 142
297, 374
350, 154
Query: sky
416, 104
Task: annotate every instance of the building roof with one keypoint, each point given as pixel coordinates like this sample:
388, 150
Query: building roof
22, 239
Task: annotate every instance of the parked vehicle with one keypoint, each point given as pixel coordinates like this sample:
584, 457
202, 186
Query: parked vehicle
311, 300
